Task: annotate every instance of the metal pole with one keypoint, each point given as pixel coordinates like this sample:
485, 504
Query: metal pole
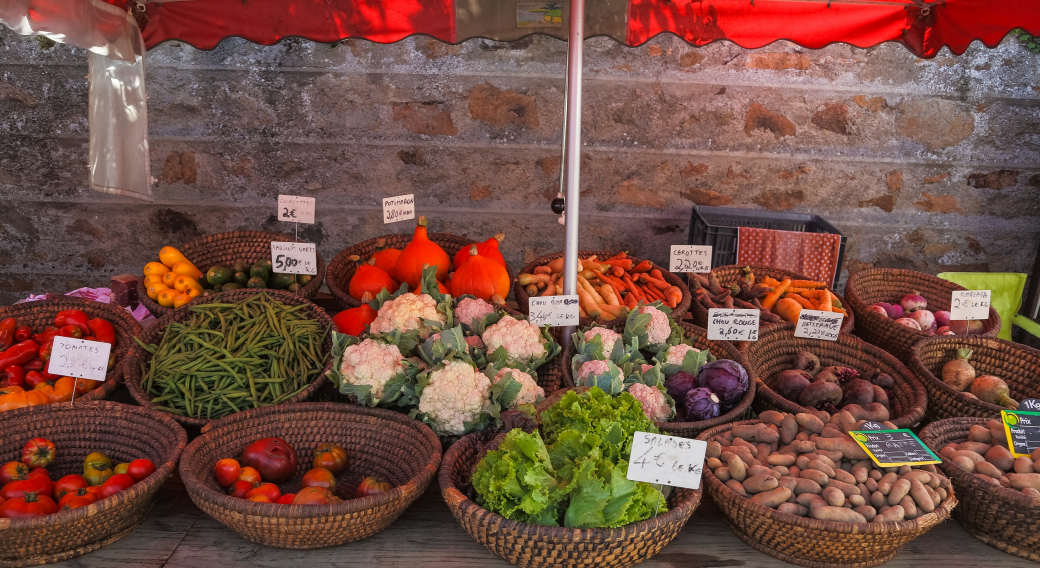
572, 139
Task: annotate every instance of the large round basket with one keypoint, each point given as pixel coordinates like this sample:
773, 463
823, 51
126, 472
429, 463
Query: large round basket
341, 269
378, 442
677, 312
1001, 517
1017, 364
139, 357
890, 285
123, 432
536, 546
224, 249
777, 346
728, 276
40, 315
813, 542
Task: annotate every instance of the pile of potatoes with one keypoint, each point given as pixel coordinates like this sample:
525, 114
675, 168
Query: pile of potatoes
805, 466
986, 455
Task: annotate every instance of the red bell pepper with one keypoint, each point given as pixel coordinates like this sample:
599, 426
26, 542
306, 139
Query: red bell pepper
7, 330
70, 331
33, 365
19, 354
45, 336
15, 376
45, 352
23, 332
77, 318
32, 378
102, 330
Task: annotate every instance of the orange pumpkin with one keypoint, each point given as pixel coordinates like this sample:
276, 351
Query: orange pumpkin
369, 278
419, 252
386, 258
487, 249
354, 320
481, 277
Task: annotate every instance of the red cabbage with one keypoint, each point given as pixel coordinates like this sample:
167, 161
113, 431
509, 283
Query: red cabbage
700, 404
725, 378
679, 384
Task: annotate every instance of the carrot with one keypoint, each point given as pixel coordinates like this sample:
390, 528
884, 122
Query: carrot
617, 271
728, 303
653, 282
550, 290
804, 303
595, 266
631, 302
542, 270
531, 290
526, 279
823, 297
635, 289
808, 284
793, 290
616, 283
585, 301
591, 290
616, 311
653, 293
556, 265
619, 256
672, 296
607, 291
788, 309
769, 281
840, 311
581, 311
644, 266
771, 298
835, 300
622, 263
656, 273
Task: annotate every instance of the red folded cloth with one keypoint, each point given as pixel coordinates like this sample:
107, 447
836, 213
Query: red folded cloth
813, 255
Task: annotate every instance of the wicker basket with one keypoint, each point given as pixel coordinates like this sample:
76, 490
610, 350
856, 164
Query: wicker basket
1017, 364
812, 542
154, 335
341, 269
378, 442
39, 315
677, 312
775, 350
1000, 517
124, 433
536, 545
225, 249
890, 285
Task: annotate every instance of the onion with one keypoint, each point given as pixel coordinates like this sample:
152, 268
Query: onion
959, 373
913, 302
942, 318
924, 318
912, 324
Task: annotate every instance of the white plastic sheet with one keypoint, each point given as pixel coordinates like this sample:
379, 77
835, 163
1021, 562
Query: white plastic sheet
90, 24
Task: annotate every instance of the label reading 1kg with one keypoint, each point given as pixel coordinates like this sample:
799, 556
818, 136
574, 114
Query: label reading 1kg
969, 305
733, 325
294, 209
690, 258
294, 258
400, 208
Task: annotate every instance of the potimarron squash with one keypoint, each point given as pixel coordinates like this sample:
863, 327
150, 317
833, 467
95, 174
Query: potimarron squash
487, 249
386, 258
369, 278
421, 250
481, 277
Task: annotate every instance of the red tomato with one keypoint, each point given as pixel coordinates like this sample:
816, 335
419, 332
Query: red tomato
320, 477
286, 499
31, 505
274, 458
251, 475
69, 484
38, 452
140, 469
95, 490
84, 493
74, 503
39, 472
330, 457
13, 471
372, 486
227, 471
259, 498
239, 489
313, 496
18, 489
115, 484
269, 489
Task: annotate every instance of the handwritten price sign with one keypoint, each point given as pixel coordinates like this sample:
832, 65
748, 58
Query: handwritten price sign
733, 325
293, 209
969, 305
400, 208
79, 358
294, 258
690, 258
553, 311
814, 324
667, 460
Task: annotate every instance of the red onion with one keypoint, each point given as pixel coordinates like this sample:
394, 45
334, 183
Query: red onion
924, 318
912, 324
942, 318
913, 302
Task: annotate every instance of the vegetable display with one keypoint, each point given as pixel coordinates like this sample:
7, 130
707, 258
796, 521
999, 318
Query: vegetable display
777, 300
960, 376
912, 312
231, 356
866, 396
986, 455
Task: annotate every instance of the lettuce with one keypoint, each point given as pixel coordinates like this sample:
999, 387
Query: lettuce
614, 419
518, 482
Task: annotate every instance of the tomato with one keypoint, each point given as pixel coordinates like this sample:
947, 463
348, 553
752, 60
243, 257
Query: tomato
96, 490
121, 467
85, 493
75, 503
13, 471
38, 452
259, 498
227, 471
97, 476
140, 469
239, 488
35, 484
372, 486
320, 477
115, 484
32, 505
269, 489
330, 457
286, 499
39, 472
69, 484
313, 496
251, 475
274, 458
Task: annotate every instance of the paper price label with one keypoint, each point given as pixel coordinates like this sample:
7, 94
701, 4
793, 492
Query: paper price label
400, 208
667, 460
690, 258
1022, 428
293, 209
733, 325
294, 258
894, 448
814, 324
79, 358
553, 311
969, 305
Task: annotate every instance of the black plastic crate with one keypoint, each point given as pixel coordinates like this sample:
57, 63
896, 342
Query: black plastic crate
717, 227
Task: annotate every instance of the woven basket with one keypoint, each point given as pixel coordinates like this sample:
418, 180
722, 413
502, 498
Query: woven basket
154, 335
1017, 364
526, 545
777, 346
1000, 517
341, 269
677, 312
378, 442
123, 432
39, 315
812, 542
890, 285
224, 249
728, 275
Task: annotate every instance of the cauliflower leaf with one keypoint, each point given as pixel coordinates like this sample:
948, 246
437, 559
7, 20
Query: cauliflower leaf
649, 330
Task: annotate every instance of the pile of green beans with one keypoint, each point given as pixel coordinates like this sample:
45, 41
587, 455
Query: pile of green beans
232, 357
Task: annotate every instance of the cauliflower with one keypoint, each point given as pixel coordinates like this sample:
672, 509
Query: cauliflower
676, 354
655, 405
659, 328
522, 340
530, 392
474, 342
456, 393
469, 311
403, 314
371, 363
607, 336
593, 368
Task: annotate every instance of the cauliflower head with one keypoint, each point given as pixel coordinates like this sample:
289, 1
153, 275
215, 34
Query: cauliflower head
607, 336
371, 363
593, 368
522, 340
659, 328
655, 405
530, 392
470, 310
457, 393
676, 354
405, 312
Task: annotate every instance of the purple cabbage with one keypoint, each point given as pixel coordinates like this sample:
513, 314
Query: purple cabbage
700, 404
725, 378
679, 384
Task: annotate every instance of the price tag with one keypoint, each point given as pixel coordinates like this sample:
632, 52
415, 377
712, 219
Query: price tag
733, 325
293, 209
814, 324
893, 448
690, 258
969, 305
294, 258
667, 460
553, 311
400, 208
1022, 428
79, 358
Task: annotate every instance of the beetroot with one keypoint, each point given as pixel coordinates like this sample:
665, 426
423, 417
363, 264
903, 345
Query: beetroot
880, 396
806, 361
885, 381
858, 391
820, 393
844, 374
913, 302
825, 376
790, 384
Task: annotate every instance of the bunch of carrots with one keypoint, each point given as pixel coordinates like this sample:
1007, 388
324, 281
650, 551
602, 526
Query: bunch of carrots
778, 300
607, 289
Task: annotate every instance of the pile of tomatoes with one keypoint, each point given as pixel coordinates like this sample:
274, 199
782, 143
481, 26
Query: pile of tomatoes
28, 490
269, 461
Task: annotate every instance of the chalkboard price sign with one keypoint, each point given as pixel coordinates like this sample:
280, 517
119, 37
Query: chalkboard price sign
893, 448
1023, 431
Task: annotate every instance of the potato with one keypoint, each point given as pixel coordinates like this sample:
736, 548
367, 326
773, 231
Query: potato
829, 432
878, 499
1022, 480
833, 496
846, 421
713, 463
875, 474
924, 477
947, 450
839, 514
1036, 466
737, 467
714, 449
803, 446
979, 434
773, 498
779, 471
739, 442
871, 484
857, 501
844, 476
1036, 455
759, 433
820, 465
1001, 457
793, 509
909, 507
793, 471
788, 429
977, 447
810, 422
848, 448
803, 485
965, 463
899, 490
1031, 492
987, 479
1023, 465
860, 472
758, 470
845, 488
834, 456
986, 468
771, 417
788, 482
1005, 482
736, 487
885, 485
867, 511
814, 475
973, 456
760, 483
801, 436
890, 515
922, 498
723, 474
903, 470
781, 459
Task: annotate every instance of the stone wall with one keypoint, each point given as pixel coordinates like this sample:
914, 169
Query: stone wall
924, 164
